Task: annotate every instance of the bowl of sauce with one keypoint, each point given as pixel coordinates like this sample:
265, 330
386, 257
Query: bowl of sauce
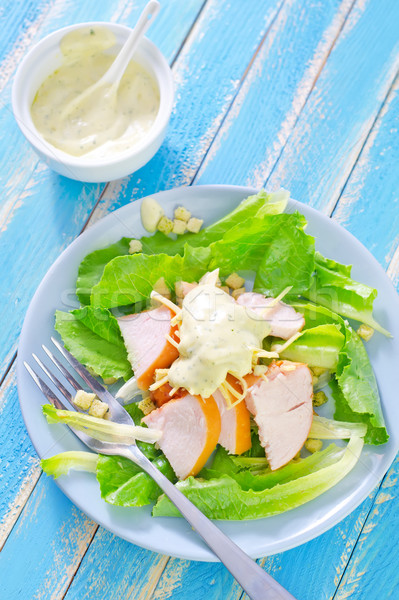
92, 141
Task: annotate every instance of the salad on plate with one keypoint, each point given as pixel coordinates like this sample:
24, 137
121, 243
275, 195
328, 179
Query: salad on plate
231, 340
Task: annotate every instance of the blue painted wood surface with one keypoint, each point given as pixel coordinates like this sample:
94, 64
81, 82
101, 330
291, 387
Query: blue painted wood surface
299, 93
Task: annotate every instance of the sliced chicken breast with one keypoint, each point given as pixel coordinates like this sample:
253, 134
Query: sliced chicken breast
148, 349
283, 319
190, 431
282, 408
235, 433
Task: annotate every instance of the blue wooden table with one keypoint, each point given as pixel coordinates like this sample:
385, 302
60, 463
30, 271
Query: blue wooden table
299, 93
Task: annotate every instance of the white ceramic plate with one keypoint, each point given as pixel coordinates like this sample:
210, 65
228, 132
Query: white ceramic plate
173, 536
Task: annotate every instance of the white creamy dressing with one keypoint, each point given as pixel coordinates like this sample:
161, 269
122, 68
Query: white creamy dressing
217, 336
103, 124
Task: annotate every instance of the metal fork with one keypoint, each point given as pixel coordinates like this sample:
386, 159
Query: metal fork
258, 584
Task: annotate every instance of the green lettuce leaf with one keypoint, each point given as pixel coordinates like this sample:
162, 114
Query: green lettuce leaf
317, 347
254, 473
130, 279
252, 207
275, 246
104, 430
333, 287
92, 267
355, 391
92, 335
123, 483
62, 463
223, 497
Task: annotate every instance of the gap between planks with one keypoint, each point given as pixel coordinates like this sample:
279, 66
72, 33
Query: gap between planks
392, 268
377, 491
367, 137
30, 484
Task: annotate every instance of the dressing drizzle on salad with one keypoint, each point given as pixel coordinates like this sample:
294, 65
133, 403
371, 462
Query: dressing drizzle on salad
217, 336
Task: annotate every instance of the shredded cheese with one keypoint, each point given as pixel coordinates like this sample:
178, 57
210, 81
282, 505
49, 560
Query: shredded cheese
158, 384
172, 341
162, 300
279, 348
276, 300
173, 391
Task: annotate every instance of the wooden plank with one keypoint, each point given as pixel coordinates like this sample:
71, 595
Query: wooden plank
38, 220
113, 568
282, 75
372, 571
212, 18
328, 554
20, 469
369, 204
344, 103
368, 207
208, 74
46, 546
40, 208
184, 579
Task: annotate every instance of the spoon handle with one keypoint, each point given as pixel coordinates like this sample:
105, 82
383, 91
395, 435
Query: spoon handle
118, 67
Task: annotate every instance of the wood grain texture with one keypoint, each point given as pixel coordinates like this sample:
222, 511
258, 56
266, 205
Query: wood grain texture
19, 464
274, 93
372, 571
45, 547
34, 217
208, 75
369, 204
113, 568
40, 209
286, 49
342, 107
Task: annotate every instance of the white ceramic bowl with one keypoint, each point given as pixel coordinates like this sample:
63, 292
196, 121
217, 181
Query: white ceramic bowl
42, 60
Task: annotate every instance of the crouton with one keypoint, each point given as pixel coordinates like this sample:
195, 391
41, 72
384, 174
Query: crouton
165, 225
238, 292
83, 399
135, 246
234, 281
98, 409
313, 445
365, 332
179, 226
194, 225
182, 214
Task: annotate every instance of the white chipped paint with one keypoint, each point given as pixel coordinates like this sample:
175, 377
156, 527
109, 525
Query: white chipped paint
254, 72
261, 172
75, 539
352, 192
11, 515
304, 90
53, 10
393, 269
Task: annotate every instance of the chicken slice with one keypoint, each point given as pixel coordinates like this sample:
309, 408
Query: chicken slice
148, 349
283, 319
282, 408
190, 431
235, 433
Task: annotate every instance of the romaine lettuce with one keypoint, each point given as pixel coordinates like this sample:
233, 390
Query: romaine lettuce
130, 279
223, 497
250, 209
93, 336
333, 287
355, 390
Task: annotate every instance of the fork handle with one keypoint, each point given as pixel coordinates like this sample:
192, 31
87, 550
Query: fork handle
258, 584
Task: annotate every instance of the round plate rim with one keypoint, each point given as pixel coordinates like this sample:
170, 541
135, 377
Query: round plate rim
202, 553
